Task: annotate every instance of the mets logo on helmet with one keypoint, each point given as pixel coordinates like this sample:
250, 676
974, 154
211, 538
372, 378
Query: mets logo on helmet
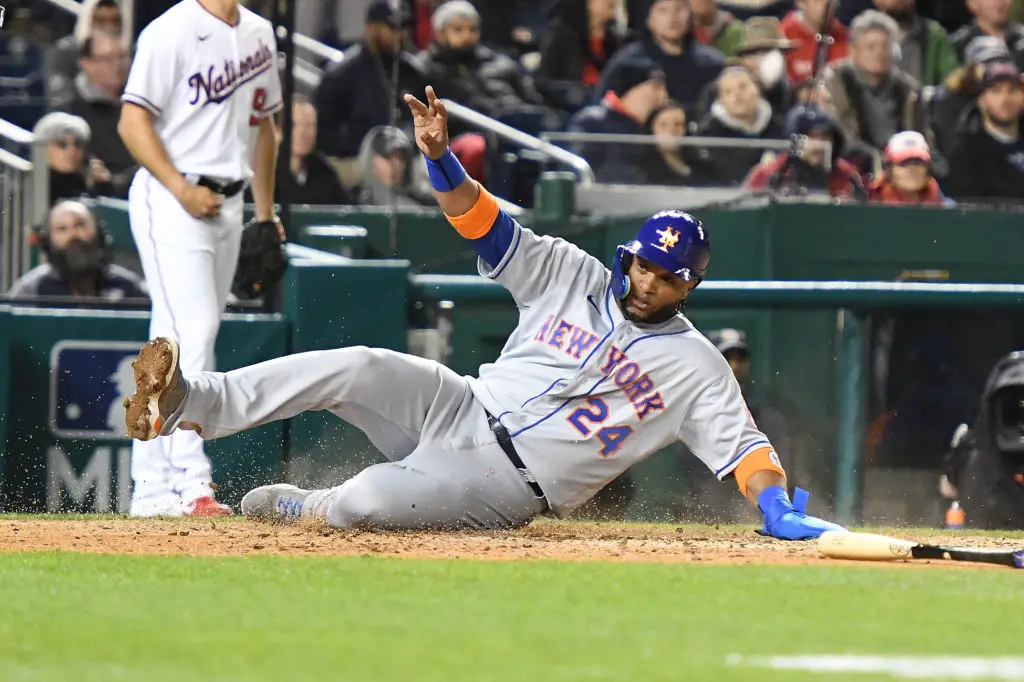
669, 238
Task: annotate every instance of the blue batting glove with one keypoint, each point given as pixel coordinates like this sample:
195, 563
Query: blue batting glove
786, 520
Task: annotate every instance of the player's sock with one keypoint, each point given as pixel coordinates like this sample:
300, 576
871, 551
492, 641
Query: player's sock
317, 503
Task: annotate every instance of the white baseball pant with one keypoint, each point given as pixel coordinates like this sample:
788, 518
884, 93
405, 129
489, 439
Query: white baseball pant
189, 265
446, 470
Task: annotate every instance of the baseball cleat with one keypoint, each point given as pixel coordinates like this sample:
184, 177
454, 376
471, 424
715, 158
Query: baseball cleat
160, 390
281, 500
207, 506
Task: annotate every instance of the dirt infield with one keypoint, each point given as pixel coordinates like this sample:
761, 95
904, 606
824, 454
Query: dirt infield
569, 541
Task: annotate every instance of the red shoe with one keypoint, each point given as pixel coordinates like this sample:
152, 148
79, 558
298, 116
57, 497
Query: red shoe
207, 506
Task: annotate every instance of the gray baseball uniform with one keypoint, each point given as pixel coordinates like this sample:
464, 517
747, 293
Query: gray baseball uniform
583, 392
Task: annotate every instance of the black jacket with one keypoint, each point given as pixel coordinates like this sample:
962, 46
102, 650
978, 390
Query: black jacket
686, 74
565, 53
481, 79
983, 169
117, 283
319, 184
729, 166
354, 97
105, 142
618, 163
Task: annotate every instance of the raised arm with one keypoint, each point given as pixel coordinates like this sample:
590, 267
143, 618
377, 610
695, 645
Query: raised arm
455, 192
528, 265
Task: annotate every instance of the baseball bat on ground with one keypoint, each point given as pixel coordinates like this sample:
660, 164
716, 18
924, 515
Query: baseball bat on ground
870, 547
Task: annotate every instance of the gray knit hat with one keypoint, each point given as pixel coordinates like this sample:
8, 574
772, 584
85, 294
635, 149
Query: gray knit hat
454, 9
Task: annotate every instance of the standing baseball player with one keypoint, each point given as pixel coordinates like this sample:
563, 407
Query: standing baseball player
197, 116
602, 371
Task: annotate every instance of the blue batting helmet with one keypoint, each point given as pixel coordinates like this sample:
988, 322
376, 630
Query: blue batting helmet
674, 240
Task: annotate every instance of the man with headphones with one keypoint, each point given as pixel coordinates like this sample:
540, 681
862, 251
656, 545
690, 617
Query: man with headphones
78, 261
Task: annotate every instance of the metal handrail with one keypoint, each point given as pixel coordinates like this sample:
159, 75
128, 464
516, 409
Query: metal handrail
15, 133
691, 140
316, 47
577, 163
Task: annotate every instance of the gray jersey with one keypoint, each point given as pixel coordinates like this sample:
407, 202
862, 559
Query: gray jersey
586, 393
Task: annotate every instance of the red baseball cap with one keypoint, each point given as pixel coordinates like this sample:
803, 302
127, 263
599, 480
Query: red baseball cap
907, 145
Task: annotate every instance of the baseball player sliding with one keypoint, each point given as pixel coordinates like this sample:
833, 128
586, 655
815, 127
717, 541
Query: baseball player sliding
197, 116
602, 371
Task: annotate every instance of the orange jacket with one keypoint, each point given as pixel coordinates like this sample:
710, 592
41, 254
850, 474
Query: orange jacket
884, 192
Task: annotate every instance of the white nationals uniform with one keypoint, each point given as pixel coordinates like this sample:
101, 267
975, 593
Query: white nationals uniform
208, 85
583, 393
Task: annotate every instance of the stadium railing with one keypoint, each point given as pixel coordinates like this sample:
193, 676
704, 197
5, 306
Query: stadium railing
24, 198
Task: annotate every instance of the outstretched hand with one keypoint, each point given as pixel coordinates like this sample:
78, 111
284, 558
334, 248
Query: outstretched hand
431, 121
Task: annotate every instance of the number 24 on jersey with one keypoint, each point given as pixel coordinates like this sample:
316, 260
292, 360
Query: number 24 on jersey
594, 413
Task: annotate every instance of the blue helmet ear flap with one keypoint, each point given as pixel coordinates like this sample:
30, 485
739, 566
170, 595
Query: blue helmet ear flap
620, 280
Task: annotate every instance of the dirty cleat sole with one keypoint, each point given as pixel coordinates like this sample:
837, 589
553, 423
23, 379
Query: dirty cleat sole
155, 369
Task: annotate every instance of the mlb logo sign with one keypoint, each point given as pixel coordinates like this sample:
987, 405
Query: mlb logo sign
89, 381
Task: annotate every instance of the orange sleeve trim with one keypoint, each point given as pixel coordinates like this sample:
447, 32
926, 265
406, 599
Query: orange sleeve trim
479, 220
763, 459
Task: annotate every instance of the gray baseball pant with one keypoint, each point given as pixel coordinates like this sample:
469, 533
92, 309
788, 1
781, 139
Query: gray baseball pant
447, 470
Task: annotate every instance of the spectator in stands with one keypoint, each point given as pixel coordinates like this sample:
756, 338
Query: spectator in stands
987, 159
716, 27
962, 87
741, 113
906, 176
310, 178
991, 18
812, 170
391, 172
689, 66
512, 27
77, 261
97, 99
672, 163
762, 50
356, 94
66, 138
874, 99
926, 52
471, 73
582, 37
63, 58
800, 26
635, 89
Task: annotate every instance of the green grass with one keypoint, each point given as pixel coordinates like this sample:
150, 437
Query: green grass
72, 617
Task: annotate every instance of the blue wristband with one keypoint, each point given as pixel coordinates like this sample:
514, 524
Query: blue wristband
445, 173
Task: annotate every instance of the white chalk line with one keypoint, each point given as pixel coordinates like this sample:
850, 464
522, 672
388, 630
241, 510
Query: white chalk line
912, 667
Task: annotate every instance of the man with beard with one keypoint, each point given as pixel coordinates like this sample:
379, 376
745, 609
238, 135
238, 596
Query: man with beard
355, 94
987, 159
602, 371
78, 264
472, 73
